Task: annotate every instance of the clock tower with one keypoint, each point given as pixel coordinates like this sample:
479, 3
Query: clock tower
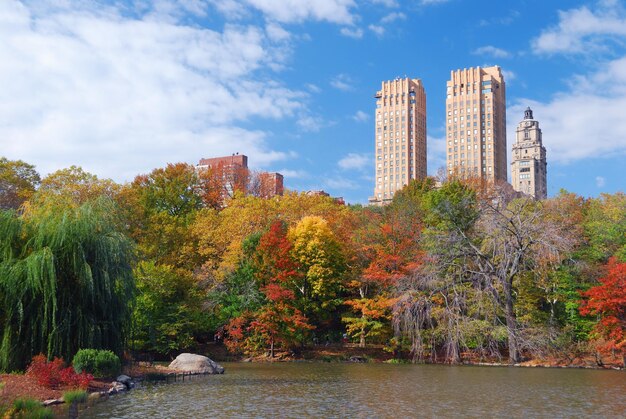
528, 166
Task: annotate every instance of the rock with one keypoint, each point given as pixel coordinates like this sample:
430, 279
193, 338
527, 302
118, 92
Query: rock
126, 380
117, 387
359, 359
52, 402
196, 363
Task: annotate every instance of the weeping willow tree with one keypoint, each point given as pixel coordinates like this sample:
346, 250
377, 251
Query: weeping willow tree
65, 282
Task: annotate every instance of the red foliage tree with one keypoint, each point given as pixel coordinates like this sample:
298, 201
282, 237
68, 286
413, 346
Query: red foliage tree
608, 302
278, 322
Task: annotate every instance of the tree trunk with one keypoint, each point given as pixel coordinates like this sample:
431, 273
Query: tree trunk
362, 337
272, 348
511, 324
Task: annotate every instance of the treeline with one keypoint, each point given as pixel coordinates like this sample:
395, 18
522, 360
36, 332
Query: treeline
177, 257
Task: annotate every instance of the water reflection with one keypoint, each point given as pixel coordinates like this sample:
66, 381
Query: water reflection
377, 390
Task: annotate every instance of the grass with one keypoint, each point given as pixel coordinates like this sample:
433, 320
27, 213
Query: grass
29, 408
75, 396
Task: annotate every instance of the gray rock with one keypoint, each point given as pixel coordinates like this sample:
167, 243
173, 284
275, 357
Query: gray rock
126, 380
196, 363
52, 402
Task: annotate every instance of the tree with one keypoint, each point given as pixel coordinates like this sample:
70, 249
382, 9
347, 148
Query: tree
18, 182
73, 187
159, 210
65, 282
483, 243
276, 321
168, 312
321, 263
607, 301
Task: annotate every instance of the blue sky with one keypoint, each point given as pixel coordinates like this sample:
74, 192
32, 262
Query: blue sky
122, 87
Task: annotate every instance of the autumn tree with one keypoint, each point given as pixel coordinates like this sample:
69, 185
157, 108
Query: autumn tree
159, 209
18, 182
482, 246
388, 241
321, 263
73, 186
607, 301
277, 321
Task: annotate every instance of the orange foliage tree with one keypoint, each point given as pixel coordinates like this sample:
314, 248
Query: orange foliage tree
608, 302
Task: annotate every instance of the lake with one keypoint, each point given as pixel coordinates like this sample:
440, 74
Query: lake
295, 390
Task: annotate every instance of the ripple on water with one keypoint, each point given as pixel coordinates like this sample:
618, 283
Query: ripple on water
376, 390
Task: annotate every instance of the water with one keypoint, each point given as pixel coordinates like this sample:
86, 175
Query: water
296, 390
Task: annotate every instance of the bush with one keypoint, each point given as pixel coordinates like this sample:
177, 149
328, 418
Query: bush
53, 374
100, 363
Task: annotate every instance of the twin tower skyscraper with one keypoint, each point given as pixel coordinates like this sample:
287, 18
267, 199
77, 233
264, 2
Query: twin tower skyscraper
476, 145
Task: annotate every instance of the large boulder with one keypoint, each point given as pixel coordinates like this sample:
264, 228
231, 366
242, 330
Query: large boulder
196, 363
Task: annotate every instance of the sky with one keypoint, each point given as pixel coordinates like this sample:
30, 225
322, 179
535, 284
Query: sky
123, 87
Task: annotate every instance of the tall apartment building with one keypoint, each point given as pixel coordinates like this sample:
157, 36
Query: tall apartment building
399, 136
529, 169
476, 124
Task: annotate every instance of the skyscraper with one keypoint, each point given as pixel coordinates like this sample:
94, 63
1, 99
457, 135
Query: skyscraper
476, 124
529, 169
399, 136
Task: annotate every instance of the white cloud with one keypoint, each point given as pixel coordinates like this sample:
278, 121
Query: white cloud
392, 17
311, 123
583, 30
508, 75
387, 3
501, 20
491, 51
356, 33
276, 32
342, 82
378, 30
313, 88
585, 121
428, 2
341, 183
600, 181
361, 116
293, 174
436, 154
290, 11
121, 95
354, 161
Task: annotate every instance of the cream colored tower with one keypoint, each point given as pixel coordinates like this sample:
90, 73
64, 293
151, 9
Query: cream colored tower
529, 169
399, 136
476, 124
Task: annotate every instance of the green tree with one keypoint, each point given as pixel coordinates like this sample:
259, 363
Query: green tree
65, 282
168, 314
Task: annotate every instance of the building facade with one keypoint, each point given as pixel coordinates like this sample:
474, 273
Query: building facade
529, 168
476, 124
233, 174
399, 137
270, 184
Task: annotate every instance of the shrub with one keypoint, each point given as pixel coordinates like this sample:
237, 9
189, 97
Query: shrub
52, 374
100, 363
